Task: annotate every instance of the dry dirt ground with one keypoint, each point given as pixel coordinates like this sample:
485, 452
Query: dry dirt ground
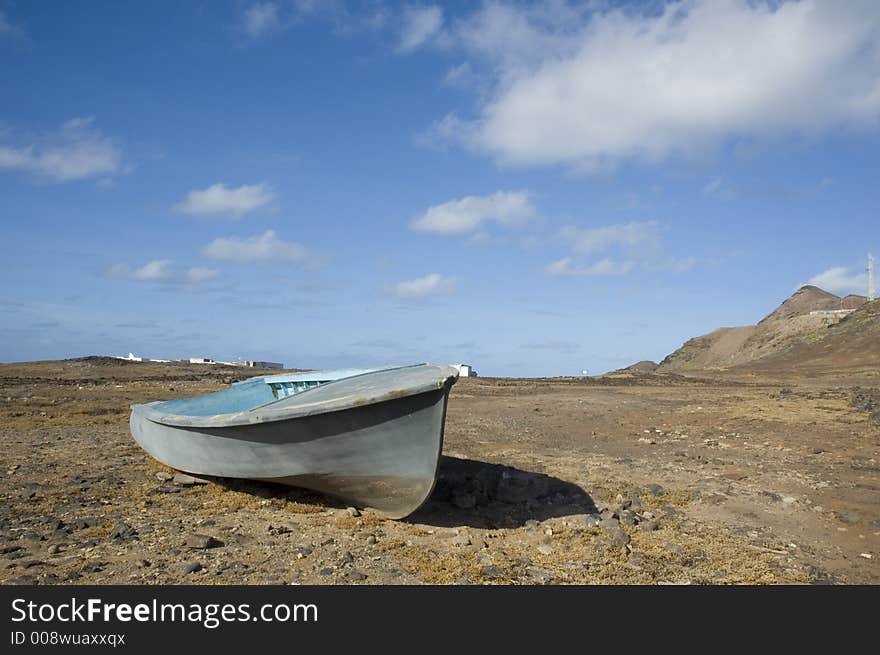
647, 479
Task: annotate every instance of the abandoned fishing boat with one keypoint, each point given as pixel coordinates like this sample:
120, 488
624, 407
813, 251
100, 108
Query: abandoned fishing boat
370, 437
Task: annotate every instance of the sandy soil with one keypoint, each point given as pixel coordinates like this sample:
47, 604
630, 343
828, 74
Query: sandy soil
635, 479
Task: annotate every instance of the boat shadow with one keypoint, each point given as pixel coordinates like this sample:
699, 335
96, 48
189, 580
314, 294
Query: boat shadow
467, 492
480, 494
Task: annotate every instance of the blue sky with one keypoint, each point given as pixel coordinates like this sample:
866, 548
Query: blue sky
534, 188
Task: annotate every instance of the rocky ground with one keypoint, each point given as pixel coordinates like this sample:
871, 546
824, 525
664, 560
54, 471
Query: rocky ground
634, 479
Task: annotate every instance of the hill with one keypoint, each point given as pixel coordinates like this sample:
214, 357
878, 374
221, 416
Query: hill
788, 334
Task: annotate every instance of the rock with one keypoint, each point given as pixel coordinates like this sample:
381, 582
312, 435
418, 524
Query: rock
184, 480
192, 567
649, 526
201, 541
635, 560
464, 500
371, 540
516, 487
635, 505
352, 511
545, 549
609, 524
461, 540
325, 571
617, 537
357, 576
123, 532
277, 529
54, 549
628, 518
83, 523
532, 525
593, 520
654, 489
648, 515
165, 489
347, 558
492, 571
162, 476
608, 514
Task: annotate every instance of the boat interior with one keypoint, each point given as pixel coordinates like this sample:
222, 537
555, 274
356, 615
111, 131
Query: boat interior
255, 392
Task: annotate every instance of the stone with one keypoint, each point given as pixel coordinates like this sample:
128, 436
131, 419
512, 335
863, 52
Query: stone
461, 540
123, 532
191, 567
371, 540
357, 576
352, 511
545, 549
617, 537
464, 500
649, 526
635, 505
492, 571
184, 480
609, 524
608, 514
54, 549
627, 518
654, 489
201, 541
593, 520
325, 571
162, 476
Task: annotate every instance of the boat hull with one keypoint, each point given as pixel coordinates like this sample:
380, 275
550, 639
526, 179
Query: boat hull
382, 455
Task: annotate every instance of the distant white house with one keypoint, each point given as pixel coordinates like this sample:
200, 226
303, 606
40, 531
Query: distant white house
201, 360
466, 370
131, 357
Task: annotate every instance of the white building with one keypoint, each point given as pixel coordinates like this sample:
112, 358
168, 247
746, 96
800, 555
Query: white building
466, 370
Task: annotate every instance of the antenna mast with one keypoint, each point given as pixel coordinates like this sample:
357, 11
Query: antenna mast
871, 291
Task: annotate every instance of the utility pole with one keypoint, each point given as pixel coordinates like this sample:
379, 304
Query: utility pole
871, 290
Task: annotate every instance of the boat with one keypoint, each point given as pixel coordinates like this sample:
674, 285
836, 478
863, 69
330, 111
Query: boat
371, 437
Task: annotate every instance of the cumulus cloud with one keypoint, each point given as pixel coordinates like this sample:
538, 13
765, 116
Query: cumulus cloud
469, 213
637, 244
592, 87
161, 270
564, 268
260, 19
77, 151
598, 239
420, 24
218, 200
429, 285
841, 280
261, 248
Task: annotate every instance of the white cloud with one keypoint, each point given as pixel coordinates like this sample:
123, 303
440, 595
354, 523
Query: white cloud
594, 87
842, 281
161, 270
430, 285
635, 245
629, 235
261, 248
260, 19
217, 200
420, 24
469, 213
564, 268
76, 151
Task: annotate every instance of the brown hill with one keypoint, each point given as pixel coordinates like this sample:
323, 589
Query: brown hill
853, 343
806, 299
784, 330
644, 366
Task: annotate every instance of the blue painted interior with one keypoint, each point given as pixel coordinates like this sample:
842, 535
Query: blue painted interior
252, 393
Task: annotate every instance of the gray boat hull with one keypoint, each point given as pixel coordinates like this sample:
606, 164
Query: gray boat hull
382, 455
